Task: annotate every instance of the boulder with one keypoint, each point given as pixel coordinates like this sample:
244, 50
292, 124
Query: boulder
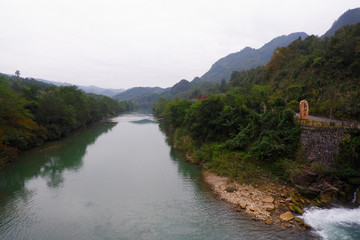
287, 216
304, 178
309, 192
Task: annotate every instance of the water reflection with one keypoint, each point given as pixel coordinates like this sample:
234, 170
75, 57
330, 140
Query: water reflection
144, 121
50, 161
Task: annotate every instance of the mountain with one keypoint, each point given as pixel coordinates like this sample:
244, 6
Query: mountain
88, 89
110, 92
248, 58
350, 17
136, 92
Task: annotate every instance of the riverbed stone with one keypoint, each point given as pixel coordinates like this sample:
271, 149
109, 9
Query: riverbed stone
269, 206
296, 209
269, 221
287, 216
254, 209
243, 205
299, 220
268, 199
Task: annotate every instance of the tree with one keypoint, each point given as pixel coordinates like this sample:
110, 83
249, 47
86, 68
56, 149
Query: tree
17, 73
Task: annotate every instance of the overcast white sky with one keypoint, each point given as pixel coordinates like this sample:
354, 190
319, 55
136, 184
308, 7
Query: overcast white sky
128, 43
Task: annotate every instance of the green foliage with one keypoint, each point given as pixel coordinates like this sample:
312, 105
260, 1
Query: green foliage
203, 120
256, 117
347, 162
243, 120
325, 72
32, 112
175, 112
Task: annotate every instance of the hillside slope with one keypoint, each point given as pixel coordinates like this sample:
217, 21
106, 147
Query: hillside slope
248, 58
351, 16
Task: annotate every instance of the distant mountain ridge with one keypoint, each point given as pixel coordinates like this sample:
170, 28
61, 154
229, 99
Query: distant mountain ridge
88, 89
350, 17
134, 93
248, 58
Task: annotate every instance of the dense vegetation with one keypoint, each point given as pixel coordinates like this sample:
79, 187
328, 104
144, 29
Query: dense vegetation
255, 119
246, 123
324, 71
32, 112
347, 162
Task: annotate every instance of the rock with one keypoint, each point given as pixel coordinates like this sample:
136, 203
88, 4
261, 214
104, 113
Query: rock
299, 220
254, 209
307, 226
309, 192
329, 188
269, 206
296, 209
326, 197
286, 216
268, 221
243, 205
304, 178
268, 199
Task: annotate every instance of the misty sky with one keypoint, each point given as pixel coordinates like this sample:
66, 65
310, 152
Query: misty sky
128, 43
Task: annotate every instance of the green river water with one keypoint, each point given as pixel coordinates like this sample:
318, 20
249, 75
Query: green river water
117, 180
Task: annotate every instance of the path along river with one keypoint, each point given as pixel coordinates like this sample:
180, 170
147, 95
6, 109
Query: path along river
117, 180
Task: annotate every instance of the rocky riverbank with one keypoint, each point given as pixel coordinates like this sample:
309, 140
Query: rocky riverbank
273, 204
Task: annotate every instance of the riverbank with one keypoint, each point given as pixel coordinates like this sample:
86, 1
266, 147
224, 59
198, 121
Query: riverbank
270, 203
252, 187
6, 158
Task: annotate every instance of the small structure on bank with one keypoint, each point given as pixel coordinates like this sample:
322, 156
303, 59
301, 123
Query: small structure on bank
304, 110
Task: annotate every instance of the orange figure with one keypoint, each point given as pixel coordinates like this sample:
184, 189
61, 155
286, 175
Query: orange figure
304, 109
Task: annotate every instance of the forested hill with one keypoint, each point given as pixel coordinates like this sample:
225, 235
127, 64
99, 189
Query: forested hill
351, 16
32, 112
248, 58
252, 126
324, 71
133, 93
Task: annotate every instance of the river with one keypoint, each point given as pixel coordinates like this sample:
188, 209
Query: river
117, 180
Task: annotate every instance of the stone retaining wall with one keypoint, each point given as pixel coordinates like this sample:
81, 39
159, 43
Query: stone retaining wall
320, 144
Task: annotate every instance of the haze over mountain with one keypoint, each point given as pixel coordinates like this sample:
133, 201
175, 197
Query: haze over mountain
88, 89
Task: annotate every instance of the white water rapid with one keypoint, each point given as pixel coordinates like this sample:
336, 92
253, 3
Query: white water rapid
334, 223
